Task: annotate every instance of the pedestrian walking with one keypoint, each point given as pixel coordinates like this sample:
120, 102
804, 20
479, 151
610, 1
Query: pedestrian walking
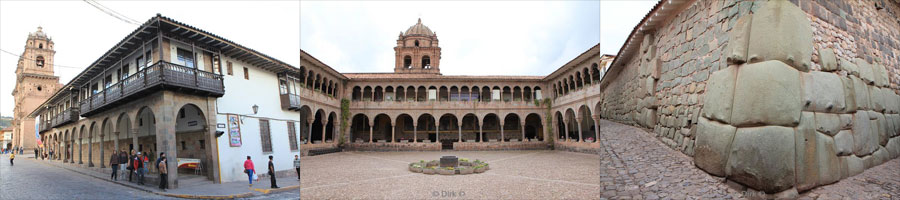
114, 166
163, 172
248, 168
272, 173
123, 161
35, 153
146, 161
11, 158
297, 165
131, 165
139, 168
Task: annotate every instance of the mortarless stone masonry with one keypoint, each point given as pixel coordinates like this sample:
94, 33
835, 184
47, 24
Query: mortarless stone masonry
780, 96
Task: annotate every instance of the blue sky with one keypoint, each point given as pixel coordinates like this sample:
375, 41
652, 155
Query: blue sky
477, 38
82, 33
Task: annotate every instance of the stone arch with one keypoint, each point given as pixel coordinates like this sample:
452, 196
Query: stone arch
534, 127
318, 127
407, 62
443, 94
571, 126
382, 127
145, 123
578, 81
491, 127
359, 128
595, 73
81, 137
517, 93
448, 122
512, 127
93, 132
426, 62
404, 127
357, 93
470, 127
425, 129
367, 93
330, 127
588, 130
560, 126
379, 94
123, 127
506, 94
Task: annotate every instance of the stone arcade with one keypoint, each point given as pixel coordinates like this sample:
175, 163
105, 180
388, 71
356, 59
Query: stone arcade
418, 108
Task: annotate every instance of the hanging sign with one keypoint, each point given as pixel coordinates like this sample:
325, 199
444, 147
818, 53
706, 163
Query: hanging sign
234, 130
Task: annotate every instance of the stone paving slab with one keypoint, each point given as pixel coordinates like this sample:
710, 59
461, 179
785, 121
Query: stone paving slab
237, 189
880, 182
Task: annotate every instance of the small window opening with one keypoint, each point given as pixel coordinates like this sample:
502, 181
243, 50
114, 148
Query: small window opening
39, 61
41, 46
426, 62
407, 62
417, 43
39, 88
202, 144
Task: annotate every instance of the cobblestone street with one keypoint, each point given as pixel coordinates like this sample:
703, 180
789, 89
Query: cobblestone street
31, 180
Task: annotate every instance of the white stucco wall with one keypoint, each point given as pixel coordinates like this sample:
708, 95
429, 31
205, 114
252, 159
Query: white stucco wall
240, 96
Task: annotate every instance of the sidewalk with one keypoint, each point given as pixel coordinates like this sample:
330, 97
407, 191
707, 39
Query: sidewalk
207, 190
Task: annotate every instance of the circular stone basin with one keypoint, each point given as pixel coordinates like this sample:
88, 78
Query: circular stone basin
464, 166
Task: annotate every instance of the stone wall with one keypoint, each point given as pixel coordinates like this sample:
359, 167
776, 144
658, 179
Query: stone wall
775, 96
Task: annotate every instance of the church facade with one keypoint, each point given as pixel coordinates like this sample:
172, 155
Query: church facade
35, 82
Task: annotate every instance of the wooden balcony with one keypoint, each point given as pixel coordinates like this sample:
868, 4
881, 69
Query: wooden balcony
290, 101
162, 75
68, 116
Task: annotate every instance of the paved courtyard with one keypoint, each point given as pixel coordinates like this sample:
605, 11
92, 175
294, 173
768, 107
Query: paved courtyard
632, 165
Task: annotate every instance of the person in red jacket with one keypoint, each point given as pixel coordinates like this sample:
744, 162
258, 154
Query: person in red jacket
248, 168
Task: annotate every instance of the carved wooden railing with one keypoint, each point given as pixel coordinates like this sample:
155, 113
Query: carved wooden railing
161, 73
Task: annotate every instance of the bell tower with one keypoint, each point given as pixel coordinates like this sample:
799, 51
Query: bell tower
35, 82
417, 51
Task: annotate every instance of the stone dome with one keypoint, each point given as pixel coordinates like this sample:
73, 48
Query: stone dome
40, 33
419, 29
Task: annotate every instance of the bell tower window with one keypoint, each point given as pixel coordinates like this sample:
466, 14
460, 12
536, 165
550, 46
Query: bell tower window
39, 61
417, 43
407, 62
426, 62
41, 46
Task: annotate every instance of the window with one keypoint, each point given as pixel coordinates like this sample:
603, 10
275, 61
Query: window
228, 65
202, 144
147, 56
39, 88
407, 62
181, 113
41, 45
95, 88
292, 135
495, 95
139, 61
417, 43
39, 61
186, 58
432, 94
264, 135
217, 65
125, 71
282, 86
107, 81
183, 146
426, 62
246, 74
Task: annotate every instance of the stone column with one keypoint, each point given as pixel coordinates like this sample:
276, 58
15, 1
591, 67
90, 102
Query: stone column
323, 130
115, 142
134, 139
415, 135
578, 126
501, 132
80, 150
309, 131
102, 164
523, 132
371, 129
90, 150
566, 129
393, 132
459, 133
481, 133
437, 131
165, 134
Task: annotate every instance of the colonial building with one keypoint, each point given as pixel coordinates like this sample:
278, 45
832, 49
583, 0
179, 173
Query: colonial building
6, 137
418, 108
35, 82
162, 88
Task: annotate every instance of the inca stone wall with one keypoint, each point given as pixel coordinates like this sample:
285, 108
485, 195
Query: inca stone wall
779, 96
